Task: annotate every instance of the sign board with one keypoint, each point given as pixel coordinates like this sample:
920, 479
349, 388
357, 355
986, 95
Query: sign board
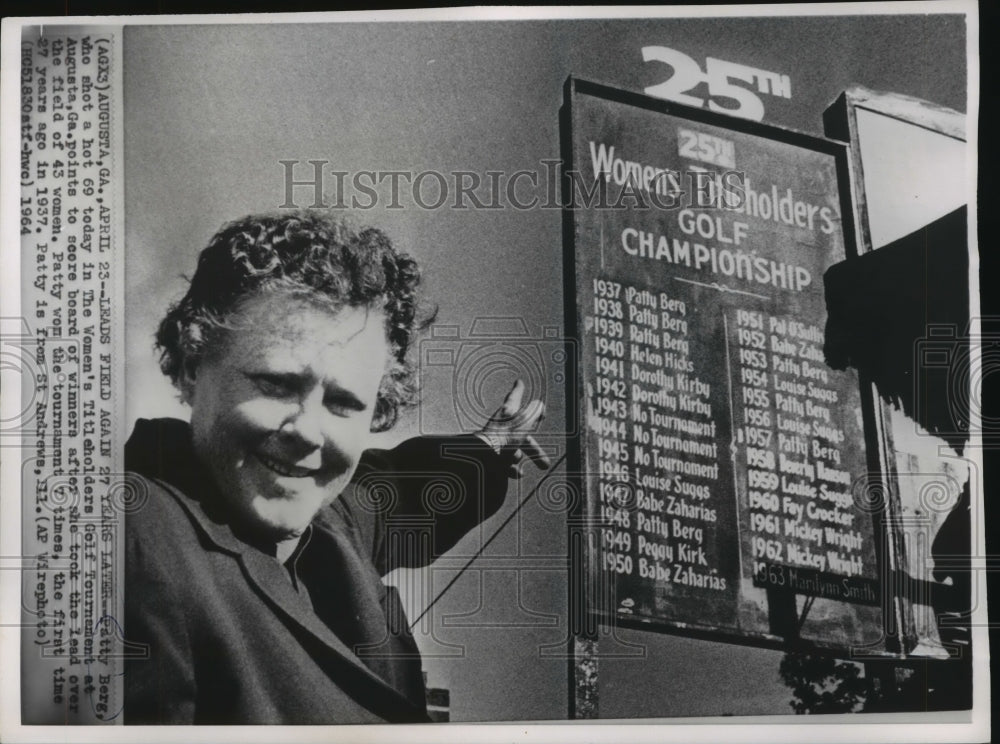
724, 463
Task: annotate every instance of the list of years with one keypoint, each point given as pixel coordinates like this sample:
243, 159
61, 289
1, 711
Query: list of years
657, 450
657, 406
801, 510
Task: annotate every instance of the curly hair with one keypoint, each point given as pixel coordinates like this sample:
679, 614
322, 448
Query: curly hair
308, 253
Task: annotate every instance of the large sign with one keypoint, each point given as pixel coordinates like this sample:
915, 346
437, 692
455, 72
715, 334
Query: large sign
725, 463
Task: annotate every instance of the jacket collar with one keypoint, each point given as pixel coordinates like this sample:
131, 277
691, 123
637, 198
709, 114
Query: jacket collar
162, 449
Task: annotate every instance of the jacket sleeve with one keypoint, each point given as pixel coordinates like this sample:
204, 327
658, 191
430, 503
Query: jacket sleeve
413, 503
159, 673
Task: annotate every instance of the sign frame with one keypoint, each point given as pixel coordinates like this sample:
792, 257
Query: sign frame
587, 623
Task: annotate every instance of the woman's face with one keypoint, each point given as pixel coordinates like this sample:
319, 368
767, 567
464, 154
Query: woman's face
281, 410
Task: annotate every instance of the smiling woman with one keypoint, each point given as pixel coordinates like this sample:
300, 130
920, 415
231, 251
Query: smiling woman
253, 570
281, 413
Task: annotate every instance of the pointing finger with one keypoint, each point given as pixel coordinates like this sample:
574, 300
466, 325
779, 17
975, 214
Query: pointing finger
532, 415
527, 418
512, 403
535, 453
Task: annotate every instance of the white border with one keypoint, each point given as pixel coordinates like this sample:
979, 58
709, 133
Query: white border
530, 13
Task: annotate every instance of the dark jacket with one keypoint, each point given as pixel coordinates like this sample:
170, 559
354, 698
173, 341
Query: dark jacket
234, 636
